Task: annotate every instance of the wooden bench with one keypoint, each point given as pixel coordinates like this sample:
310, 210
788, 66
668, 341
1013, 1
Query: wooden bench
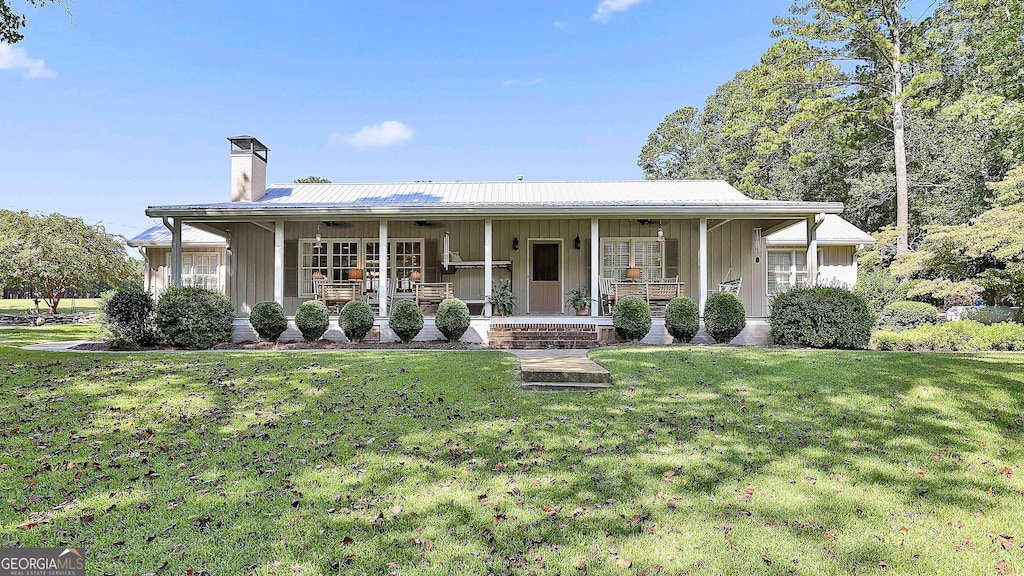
656, 294
340, 294
432, 293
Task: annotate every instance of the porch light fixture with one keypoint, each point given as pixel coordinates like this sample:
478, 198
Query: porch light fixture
576, 242
515, 243
633, 274
355, 274
661, 235
318, 237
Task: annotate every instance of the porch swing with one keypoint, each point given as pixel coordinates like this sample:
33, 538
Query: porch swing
733, 283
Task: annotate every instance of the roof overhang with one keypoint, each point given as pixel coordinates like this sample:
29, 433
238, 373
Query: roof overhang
162, 244
250, 211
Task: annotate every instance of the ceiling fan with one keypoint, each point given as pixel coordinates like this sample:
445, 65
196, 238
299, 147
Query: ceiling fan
430, 224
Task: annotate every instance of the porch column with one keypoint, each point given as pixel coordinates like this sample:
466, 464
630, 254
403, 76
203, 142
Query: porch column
812, 249
595, 267
279, 262
488, 271
175, 227
702, 264
382, 277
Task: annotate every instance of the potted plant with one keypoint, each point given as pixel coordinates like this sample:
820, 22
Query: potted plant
502, 300
579, 300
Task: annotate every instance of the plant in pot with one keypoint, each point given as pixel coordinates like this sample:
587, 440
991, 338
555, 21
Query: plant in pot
502, 300
579, 300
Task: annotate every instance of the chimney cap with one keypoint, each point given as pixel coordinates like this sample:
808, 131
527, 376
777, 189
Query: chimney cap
248, 144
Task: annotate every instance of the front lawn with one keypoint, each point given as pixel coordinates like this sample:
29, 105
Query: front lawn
65, 306
702, 460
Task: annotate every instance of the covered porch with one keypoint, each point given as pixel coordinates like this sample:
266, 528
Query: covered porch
338, 258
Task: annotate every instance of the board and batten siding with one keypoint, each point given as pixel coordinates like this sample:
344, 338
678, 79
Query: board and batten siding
158, 267
730, 254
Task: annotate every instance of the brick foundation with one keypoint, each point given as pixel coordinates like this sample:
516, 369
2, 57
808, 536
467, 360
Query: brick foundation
530, 336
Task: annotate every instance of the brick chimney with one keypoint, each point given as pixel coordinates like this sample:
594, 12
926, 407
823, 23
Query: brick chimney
248, 169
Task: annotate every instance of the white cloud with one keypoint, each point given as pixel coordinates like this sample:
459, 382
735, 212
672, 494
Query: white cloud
13, 58
559, 24
384, 134
517, 82
607, 8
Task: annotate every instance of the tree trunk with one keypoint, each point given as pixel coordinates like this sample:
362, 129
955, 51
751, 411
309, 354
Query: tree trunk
899, 149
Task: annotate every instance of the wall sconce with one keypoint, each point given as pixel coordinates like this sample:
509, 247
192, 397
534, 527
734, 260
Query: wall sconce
515, 243
576, 242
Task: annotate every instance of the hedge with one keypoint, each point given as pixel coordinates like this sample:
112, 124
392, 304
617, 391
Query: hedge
452, 318
268, 320
194, 318
821, 317
958, 335
632, 318
905, 315
312, 319
682, 319
356, 320
406, 320
724, 316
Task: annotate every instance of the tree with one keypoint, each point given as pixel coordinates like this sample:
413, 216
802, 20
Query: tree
879, 37
53, 253
312, 180
671, 150
12, 22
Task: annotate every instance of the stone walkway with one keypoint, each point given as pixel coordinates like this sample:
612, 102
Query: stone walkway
557, 370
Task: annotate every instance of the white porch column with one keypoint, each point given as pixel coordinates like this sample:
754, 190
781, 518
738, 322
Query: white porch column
702, 264
175, 227
488, 271
595, 267
279, 262
812, 249
382, 278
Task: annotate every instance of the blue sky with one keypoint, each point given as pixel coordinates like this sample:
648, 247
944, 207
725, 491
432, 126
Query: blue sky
130, 105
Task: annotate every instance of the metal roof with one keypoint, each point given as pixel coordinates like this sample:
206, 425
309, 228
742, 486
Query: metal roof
161, 236
481, 198
833, 231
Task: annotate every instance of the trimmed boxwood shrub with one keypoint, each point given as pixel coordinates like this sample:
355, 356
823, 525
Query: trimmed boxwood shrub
356, 320
905, 315
268, 319
193, 317
724, 316
958, 335
406, 320
128, 315
821, 317
452, 318
312, 320
632, 318
682, 319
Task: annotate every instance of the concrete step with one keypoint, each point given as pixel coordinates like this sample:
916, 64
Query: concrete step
570, 375
570, 368
565, 386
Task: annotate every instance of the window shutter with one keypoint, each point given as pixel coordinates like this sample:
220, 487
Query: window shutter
291, 268
671, 257
431, 256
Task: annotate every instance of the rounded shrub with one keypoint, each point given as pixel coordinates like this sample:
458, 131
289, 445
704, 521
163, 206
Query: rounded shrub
128, 315
312, 320
268, 320
724, 316
452, 318
193, 317
406, 320
682, 319
631, 318
356, 320
821, 317
906, 315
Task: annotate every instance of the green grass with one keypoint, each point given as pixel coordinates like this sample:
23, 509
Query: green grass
65, 306
699, 460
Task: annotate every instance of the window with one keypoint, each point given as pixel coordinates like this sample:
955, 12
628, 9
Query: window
333, 259
201, 269
786, 269
618, 254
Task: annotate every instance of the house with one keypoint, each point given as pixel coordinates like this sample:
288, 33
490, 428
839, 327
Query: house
203, 258
286, 242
